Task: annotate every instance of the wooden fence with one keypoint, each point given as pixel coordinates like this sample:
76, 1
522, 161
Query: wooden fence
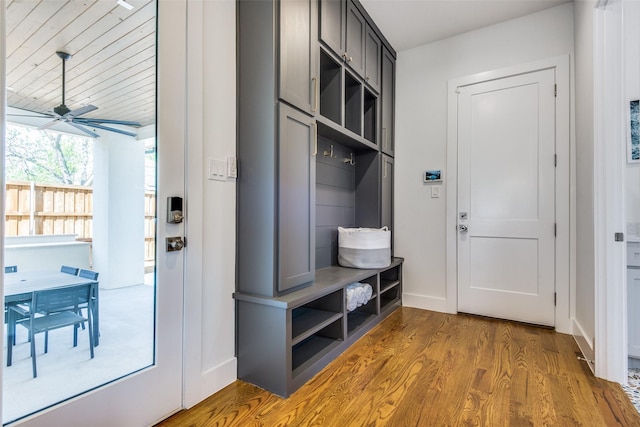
63, 209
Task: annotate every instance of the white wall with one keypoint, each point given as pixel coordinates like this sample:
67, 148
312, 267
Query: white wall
209, 362
421, 131
118, 210
584, 313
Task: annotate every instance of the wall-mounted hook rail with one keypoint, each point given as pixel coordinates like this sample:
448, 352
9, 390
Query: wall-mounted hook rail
349, 160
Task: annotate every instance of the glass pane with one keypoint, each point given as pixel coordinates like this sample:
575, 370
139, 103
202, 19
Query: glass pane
80, 207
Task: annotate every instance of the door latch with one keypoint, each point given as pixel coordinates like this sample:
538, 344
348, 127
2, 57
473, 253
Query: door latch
463, 228
175, 244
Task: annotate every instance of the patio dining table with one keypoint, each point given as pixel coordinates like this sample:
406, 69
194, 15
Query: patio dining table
19, 287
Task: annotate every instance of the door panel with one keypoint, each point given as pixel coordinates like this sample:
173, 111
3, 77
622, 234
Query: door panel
153, 389
298, 146
506, 198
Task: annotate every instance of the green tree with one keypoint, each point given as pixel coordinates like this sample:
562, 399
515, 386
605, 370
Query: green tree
48, 157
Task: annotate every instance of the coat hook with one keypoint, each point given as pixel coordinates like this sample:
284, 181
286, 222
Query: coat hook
349, 160
330, 152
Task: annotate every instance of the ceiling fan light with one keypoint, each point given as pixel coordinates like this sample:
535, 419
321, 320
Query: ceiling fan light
124, 4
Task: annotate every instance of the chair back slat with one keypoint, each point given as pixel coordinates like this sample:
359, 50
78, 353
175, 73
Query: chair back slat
88, 274
69, 270
50, 300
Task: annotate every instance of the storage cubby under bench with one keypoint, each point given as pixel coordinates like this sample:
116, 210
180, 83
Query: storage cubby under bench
284, 341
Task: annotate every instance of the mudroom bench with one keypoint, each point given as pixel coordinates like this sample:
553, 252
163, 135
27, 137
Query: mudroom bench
284, 341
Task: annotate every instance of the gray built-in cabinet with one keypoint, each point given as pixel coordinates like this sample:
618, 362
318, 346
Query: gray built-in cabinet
315, 151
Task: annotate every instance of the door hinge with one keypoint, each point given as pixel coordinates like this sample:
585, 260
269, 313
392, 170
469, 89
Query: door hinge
555, 160
458, 89
555, 229
555, 90
619, 237
555, 299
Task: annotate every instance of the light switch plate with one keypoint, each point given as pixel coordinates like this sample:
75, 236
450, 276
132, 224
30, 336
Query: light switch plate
435, 191
217, 170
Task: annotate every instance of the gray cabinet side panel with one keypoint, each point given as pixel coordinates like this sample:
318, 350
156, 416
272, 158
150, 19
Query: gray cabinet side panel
256, 148
296, 198
387, 192
263, 352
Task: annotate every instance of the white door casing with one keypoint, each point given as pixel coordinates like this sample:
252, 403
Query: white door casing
153, 393
506, 147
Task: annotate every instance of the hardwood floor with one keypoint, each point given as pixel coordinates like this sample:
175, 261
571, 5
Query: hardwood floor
422, 368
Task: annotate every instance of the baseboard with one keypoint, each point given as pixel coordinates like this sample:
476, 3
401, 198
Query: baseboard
212, 381
425, 302
585, 343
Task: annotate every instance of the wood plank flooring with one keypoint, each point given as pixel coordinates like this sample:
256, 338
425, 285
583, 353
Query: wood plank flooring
422, 368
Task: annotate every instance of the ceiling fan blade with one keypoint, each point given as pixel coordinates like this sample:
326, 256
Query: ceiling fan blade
99, 126
80, 111
48, 124
85, 130
108, 121
42, 116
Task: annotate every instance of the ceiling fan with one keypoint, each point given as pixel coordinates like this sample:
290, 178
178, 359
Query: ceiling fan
63, 114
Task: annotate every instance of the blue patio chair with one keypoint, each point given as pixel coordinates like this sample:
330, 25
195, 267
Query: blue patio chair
53, 309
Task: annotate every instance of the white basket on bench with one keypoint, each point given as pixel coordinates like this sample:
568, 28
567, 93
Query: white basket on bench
364, 247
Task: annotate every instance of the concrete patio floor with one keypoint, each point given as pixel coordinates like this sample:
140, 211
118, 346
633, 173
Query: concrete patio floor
126, 346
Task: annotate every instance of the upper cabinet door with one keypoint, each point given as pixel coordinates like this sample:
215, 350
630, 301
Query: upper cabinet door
299, 54
388, 99
356, 33
372, 59
332, 25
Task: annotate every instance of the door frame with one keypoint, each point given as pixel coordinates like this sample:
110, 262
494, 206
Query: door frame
565, 176
611, 342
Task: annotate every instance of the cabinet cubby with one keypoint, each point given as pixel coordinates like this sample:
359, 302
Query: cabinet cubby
313, 348
352, 104
314, 316
359, 317
370, 117
330, 88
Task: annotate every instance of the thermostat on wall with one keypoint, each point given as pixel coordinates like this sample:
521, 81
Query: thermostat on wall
432, 176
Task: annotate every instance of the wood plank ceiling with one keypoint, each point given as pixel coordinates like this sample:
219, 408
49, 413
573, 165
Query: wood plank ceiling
113, 63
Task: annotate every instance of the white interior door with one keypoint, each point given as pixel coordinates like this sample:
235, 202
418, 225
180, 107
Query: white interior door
141, 398
506, 193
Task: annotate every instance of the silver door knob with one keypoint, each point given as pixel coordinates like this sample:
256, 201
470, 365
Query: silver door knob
175, 244
463, 228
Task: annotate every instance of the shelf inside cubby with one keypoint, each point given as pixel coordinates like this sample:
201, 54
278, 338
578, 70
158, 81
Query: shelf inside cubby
309, 351
330, 88
385, 285
307, 321
370, 117
352, 104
